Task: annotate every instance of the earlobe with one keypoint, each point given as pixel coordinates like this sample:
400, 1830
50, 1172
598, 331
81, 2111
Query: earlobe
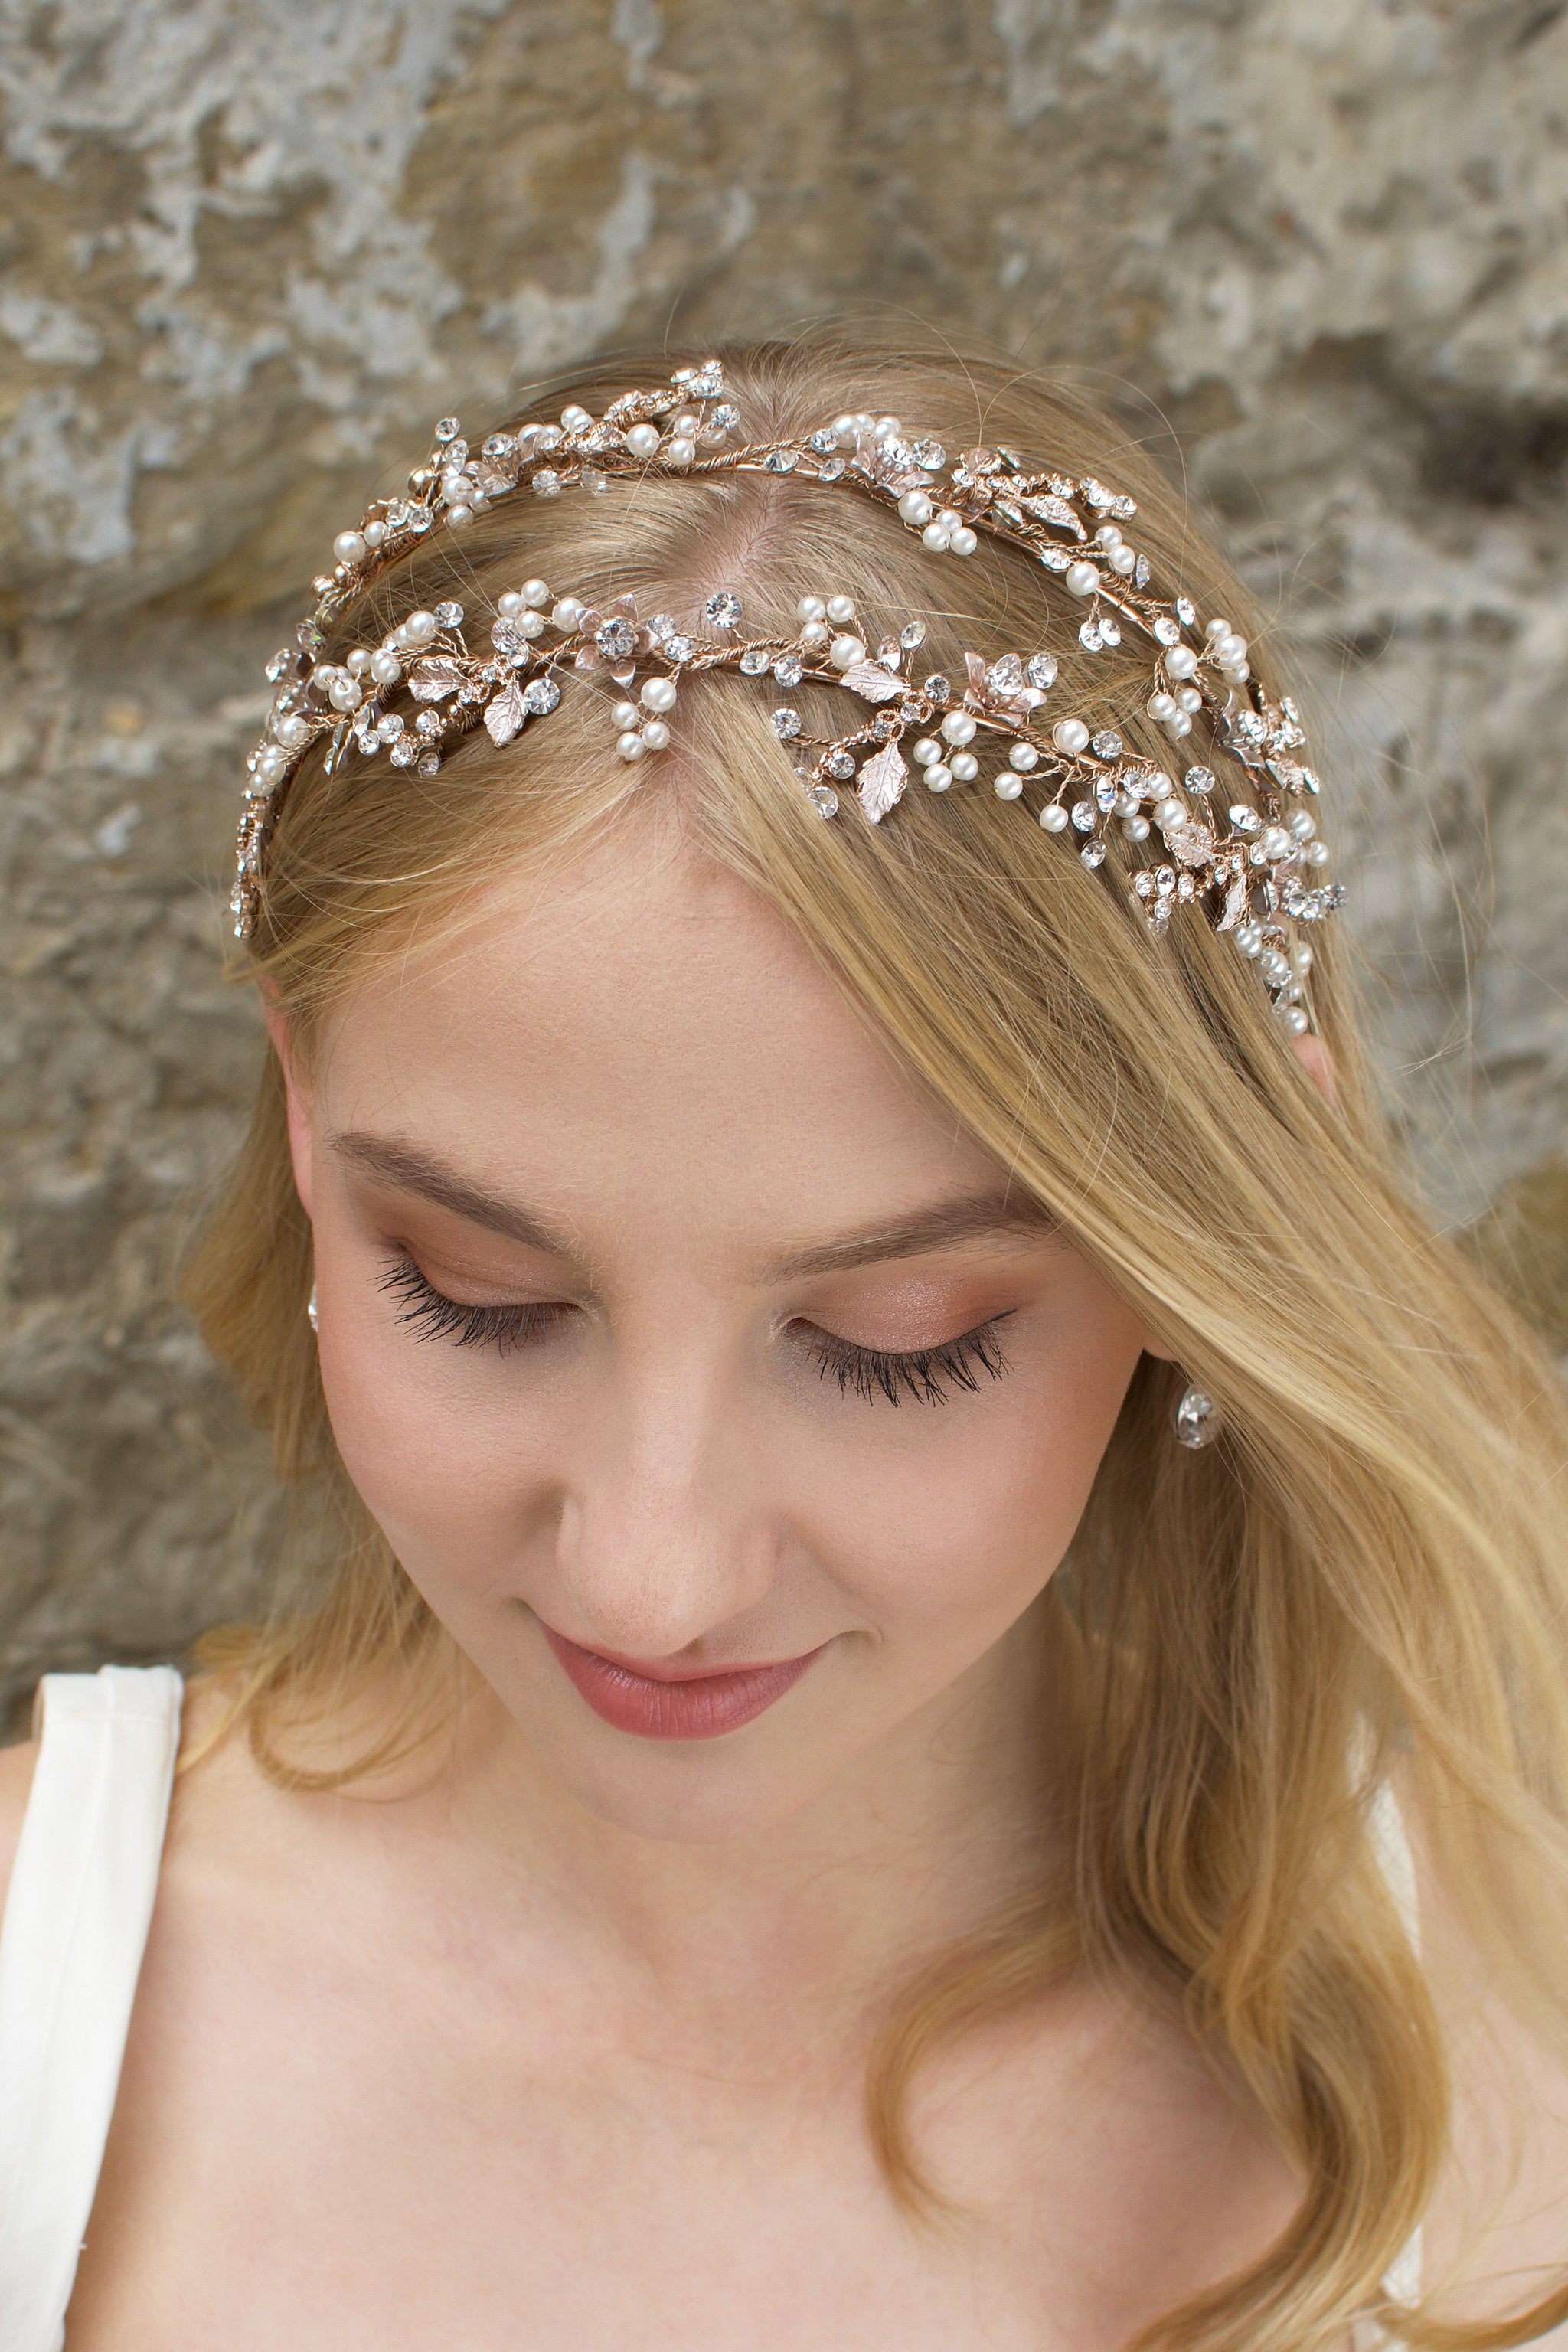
1319, 1064
298, 1099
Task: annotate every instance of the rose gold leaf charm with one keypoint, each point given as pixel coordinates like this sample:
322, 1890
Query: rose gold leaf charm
504, 714
882, 782
1054, 511
1236, 907
432, 681
872, 683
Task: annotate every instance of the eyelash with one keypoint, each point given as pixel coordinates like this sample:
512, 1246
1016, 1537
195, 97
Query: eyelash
927, 1374
429, 1314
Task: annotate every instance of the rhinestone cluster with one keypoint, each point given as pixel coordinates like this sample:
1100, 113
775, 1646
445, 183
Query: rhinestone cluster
1250, 862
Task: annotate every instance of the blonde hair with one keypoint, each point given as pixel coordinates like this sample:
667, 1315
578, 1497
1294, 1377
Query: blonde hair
1369, 1567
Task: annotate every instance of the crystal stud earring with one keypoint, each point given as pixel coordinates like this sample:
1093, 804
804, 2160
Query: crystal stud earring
313, 1318
1195, 1421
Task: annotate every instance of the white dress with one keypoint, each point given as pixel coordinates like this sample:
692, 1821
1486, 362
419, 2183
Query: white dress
76, 1923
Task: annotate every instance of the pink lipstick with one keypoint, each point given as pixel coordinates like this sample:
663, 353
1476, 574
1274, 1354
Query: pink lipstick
662, 1704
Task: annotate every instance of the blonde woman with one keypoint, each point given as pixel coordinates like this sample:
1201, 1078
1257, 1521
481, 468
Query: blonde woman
935, 1716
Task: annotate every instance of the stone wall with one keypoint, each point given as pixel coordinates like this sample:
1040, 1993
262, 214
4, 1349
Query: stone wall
247, 252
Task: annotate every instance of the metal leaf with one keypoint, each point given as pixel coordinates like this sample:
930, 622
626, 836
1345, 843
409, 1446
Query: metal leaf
882, 782
434, 681
872, 683
1054, 511
505, 713
1236, 907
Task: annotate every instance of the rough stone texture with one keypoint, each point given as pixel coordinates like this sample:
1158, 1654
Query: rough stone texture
248, 251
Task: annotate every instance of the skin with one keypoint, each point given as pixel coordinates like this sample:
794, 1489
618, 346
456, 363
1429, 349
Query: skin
560, 2039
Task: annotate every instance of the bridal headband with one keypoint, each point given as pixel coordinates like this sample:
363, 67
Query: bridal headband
1227, 829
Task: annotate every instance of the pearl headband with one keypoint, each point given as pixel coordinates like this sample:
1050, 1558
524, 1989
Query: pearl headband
1248, 868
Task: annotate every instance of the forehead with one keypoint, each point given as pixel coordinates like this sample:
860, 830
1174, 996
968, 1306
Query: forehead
633, 1022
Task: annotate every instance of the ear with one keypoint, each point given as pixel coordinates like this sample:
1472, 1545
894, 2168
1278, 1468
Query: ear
1319, 1064
299, 1096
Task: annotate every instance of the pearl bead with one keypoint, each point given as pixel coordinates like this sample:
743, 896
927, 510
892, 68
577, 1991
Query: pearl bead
1276, 841
574, 419
654, 734
958, 727
1136, 829
915, 508
567, 612
1188, 699
962, 542
1250, 940
886, 428
938, 537
1081, 579
1230, 651
926, 752
680, 452
660, 694
1303, 825
530, 625
292, 731
1162, 707
813, 634
642, 440
626, 717
844, 651
630, 746
1217, 628
1107, 535
938, 778
810, 608
458, 515
386, 669
864, 421
1315, 853
1006, 787
965, 767
686, 421
1181, 661
509, 604
1070, 735
535, 594
1294, 1020
1024, 757
1180, 725
841, 610
1168, 813
270, 766
1123, 562
1302, 957
358, 661
376, 534
350, 546
1236, 677
453, 483
1054, 817
844, 430
419, 628
345, 694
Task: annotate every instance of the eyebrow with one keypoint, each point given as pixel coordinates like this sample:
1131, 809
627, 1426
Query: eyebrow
970, 1216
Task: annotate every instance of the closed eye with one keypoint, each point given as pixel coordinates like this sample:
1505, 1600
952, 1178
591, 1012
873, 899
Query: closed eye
429, 1314
930, 1375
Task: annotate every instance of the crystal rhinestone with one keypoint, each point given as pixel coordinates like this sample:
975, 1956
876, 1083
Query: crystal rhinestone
753, 661
617, 640
707, 381
1165, 881
1199, 779
782, 461
723, 610
540, 696
428, 723
786, 725
420, 519
1244, 819
1093, 853
822, 443
450, 615
447, 429
1110, 630
831, 469
1042, 672
1106, 745
679, 649
430, 763
1195, 1421
1007, 676
930, 455
1091, 637
498, 445
912, 634
390, 728
824, 800
910, 713
1187, 611
840, 766
1107, 792
1083, 815
1141, 576
1055, 559
883, 725
898, 453
936, 687
457, 454
661, 627
594, 481
547, 483
727, 416
504, 637
404, 751
396, 515
282, 662
789, 669
1167, 630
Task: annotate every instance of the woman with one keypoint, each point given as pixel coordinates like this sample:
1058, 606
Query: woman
938, 1716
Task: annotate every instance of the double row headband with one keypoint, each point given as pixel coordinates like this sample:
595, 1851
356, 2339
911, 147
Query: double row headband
1230, 832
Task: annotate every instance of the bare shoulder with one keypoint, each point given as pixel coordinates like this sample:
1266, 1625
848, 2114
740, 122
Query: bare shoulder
17, 1766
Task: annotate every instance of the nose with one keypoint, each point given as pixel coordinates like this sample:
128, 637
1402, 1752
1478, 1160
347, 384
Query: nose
663, 1537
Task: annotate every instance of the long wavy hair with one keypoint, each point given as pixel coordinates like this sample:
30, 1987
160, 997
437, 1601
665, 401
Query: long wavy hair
1365, 1576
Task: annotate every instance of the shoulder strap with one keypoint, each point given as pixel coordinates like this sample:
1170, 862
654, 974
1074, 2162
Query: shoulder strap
76, 1923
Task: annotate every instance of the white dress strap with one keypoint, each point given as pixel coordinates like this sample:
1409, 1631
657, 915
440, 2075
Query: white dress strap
75, 1927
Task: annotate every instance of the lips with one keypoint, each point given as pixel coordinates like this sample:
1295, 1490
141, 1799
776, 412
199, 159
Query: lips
655, 1705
